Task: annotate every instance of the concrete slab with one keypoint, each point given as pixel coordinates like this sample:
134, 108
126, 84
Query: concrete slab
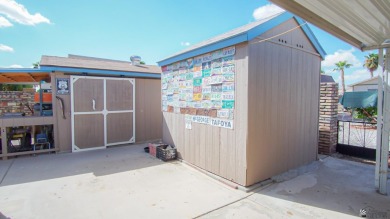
331, 188
122, 182
125, 182
4, 167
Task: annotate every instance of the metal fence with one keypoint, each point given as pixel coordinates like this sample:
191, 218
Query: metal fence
357, 138
357, 133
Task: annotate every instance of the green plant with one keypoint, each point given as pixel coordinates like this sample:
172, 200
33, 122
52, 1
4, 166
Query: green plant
371, 63
368, 114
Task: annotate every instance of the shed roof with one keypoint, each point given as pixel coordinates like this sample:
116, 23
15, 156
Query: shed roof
94, 65
242, 34
364, 82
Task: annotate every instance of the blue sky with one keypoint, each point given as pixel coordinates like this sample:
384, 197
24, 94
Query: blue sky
153, 29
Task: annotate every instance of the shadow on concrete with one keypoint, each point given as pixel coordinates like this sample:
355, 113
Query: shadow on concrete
2, 216
99, 162
331, 184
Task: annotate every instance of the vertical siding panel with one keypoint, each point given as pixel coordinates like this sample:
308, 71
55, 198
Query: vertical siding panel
202, 146
208, 148
139, 107
223, 151
241, 115
216, 155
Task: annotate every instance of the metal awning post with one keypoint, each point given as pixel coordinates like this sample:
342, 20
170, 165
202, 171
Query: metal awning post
383, 125
379, 118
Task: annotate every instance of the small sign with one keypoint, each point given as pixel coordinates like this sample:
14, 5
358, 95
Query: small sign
228, 77
216, 71
229, 69
198, 61
223, 123
216, 96
206, 81
207, 57
227, 104
228, 95
62, 85
229, 60
197, 89
197, 96
206, 96
206, 89
189, 76
216, 63
207, 104
217, 104
201, 119
198, 82
216, 88
227, 87
188, 121
198, 74
229, 51
216, 79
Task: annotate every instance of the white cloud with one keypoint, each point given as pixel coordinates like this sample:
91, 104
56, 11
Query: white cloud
4, 22
266, 11
4, 48
357, 75
15, 66
18, 13
341, 55
185, 43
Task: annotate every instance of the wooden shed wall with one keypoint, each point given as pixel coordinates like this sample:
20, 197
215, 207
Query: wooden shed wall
148, 116
148, 113
218, 150
62, 129
283, 103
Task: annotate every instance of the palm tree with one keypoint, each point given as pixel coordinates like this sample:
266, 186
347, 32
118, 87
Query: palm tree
35, 65
371, 63
340, 66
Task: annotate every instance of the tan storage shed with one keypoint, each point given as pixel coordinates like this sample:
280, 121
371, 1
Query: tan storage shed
244, 105
108, 102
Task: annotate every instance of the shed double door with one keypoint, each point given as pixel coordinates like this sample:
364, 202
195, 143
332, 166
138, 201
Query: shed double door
102, 112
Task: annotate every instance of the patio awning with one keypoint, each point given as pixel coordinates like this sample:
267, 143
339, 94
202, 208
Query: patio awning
361, 99
23, 75
361, 23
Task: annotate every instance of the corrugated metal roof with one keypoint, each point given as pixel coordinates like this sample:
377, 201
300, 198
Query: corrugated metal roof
23, 75
100, 64
361, 23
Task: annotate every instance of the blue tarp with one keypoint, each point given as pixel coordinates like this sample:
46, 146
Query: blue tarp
361, 99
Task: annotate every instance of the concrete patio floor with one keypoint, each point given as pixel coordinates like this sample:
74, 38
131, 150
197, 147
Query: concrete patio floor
125, 182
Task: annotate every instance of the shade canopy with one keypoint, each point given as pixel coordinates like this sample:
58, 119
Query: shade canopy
23, 75
362, 99
361, 23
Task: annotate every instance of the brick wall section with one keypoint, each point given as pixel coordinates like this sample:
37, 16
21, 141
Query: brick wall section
328, 118
13, 101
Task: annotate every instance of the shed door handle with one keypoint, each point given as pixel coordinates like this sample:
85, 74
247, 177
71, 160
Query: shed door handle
93, 104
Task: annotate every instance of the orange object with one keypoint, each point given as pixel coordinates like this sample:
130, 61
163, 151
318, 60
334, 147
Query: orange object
152, 149
47, 98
